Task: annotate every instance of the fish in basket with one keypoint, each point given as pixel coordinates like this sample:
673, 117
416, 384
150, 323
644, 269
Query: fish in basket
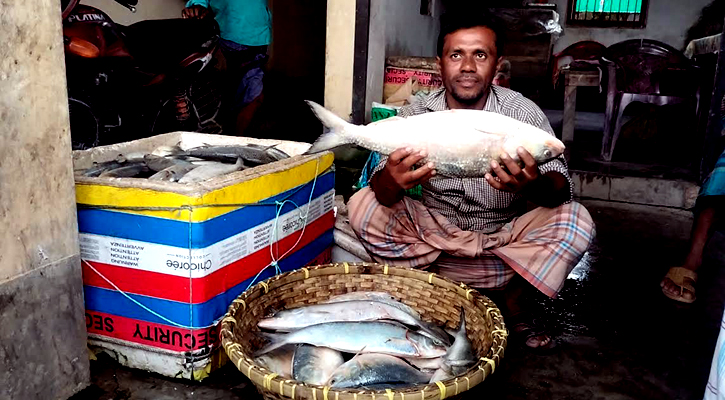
363, 331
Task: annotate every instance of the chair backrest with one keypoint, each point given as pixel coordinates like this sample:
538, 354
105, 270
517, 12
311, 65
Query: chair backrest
587, 50
584, 50
648, 66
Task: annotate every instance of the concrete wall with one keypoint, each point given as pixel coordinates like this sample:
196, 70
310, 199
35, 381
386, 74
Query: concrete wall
398, 29
406, 31
42, 336
667, 21
339, 57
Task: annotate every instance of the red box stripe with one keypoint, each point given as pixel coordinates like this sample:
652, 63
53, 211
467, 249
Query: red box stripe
177, 288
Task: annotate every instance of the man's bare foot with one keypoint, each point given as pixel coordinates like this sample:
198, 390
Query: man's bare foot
528, 333
534, 341
670, 287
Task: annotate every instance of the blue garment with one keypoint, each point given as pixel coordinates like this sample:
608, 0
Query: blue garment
246, 64
246, 22
714, 185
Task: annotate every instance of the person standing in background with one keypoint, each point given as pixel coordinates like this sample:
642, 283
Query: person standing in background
246, 31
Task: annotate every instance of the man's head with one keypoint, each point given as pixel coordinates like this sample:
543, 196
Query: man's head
469, 47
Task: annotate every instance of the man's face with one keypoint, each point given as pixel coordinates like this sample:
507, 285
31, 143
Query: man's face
468, 63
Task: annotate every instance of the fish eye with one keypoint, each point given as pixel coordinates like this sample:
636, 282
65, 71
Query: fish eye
547, 153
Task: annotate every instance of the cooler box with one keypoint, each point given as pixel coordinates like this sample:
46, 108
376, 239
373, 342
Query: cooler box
162, 261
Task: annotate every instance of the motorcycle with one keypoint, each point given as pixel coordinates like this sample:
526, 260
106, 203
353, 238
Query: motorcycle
130, 82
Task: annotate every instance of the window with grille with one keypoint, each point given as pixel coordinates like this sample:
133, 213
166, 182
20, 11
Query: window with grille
619, 13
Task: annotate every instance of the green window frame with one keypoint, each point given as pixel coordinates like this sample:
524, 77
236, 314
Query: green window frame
608, 13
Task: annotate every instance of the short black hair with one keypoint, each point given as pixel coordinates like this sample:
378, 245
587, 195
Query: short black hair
465, 18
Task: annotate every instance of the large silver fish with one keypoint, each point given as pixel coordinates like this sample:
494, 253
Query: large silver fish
173, 173
205, 172
252, 155
315, 365
98, 168
460, 143
374, 369
428, 329
159, 163
348, 311
374, 296
126, 170
361, 337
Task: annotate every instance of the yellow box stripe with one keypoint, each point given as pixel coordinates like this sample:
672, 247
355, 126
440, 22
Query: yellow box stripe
251, 191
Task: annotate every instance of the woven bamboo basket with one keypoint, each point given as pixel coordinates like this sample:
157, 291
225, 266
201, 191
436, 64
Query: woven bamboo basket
438, 300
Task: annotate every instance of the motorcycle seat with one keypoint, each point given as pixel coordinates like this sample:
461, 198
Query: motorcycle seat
160, 45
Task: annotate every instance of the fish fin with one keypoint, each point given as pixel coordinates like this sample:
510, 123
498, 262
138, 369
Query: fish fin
336, 136
395, 342
276, 340
441, 374
359, 352
436, 332
459, 363
462, 321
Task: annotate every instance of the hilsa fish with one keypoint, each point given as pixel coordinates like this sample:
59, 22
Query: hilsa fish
360, 337
206, 172
374, 369
346, 311
460, 143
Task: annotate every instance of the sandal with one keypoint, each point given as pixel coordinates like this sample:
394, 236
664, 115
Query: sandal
685, 279
524, 327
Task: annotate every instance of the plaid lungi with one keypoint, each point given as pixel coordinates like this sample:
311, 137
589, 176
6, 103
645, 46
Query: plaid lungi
542, 246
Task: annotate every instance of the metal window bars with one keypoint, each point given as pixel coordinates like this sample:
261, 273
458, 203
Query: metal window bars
614, 13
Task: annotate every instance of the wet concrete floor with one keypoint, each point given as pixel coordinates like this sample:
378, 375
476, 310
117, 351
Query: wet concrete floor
618, 337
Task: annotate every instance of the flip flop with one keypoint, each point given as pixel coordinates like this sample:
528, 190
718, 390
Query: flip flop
680, 276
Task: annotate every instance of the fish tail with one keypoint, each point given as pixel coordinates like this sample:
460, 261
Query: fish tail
337, 130
462, 322
276, 340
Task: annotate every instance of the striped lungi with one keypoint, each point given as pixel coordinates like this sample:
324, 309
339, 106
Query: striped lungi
542, 246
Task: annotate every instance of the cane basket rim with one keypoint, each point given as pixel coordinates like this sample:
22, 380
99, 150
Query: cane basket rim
273, 386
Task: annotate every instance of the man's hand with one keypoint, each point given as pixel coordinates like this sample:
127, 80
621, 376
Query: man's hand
398, 175
513, 179
194, 12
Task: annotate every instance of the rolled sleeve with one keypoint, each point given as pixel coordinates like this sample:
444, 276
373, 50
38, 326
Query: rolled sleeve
203, 3
559, 165
380, 166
